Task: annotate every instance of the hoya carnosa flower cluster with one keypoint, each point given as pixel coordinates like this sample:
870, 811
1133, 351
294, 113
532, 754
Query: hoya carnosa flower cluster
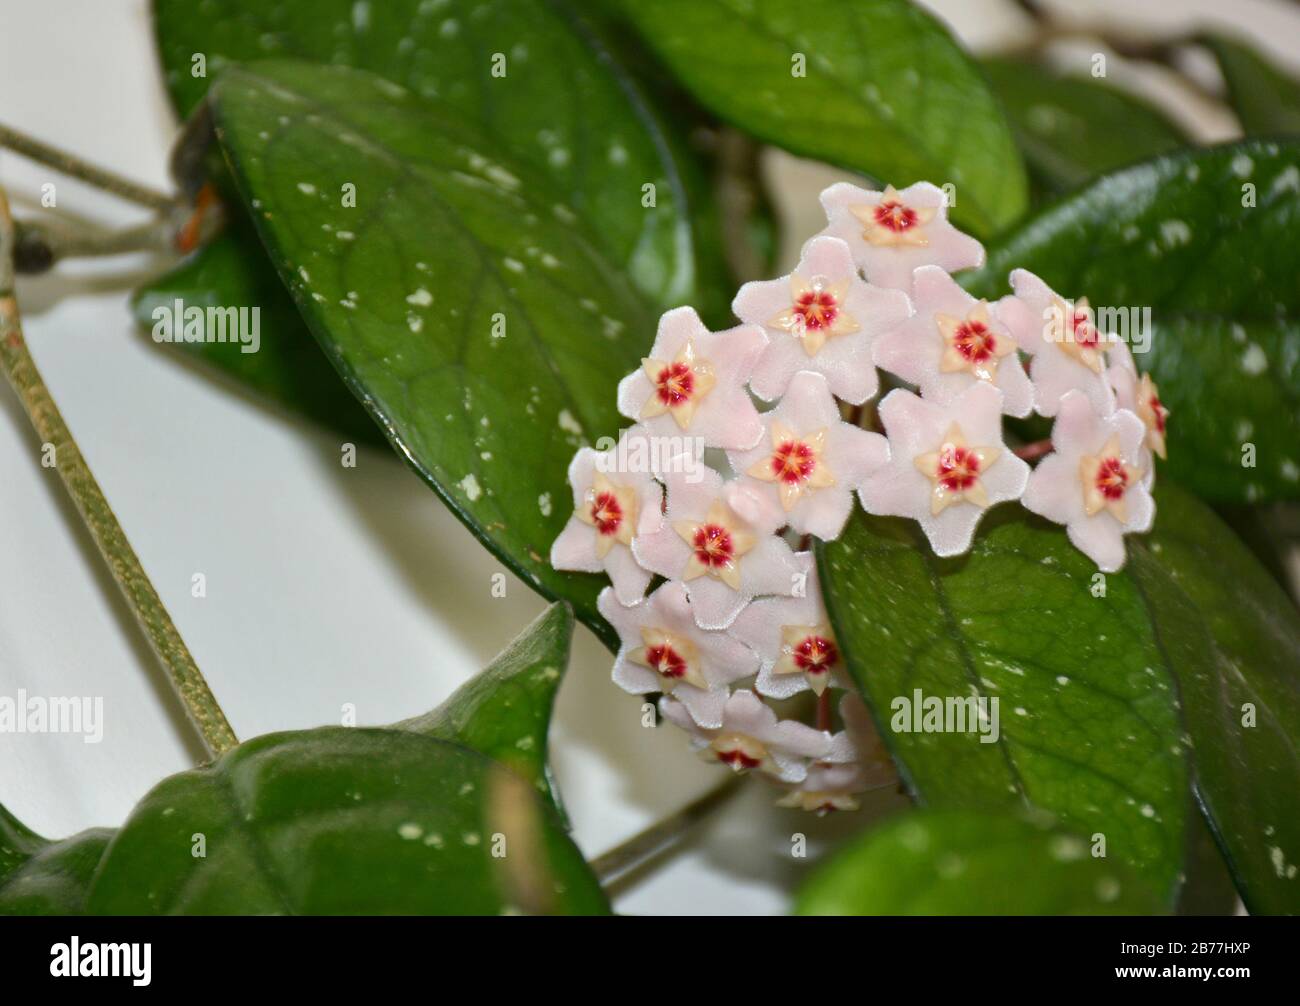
738, 622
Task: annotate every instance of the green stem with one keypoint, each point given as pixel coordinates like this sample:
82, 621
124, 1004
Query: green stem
112, 542
618, 866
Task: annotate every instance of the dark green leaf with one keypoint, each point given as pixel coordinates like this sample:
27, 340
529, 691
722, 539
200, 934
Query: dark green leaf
467, 307
558, 103
964, 863
505, 711
887, 91
1073, 128
288, 367
344, 821
1088, 727
56, 876
1265, 99
1219, 278
1233, 637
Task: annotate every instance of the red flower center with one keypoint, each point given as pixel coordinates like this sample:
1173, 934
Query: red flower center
738, 758
895, 216
974, 341
815, 654
1112, 480
666, 661
817, 308
1159, 411
713, 545
1085, 334
606, 513
675, 384
959, 467
793, 461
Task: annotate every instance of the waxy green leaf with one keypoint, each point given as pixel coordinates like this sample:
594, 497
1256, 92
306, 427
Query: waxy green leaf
288, 366
39, 877
1233, 637
1072, 128
950, 862
1087, 724
534, 75
879, 86
1205, 239
1266, 100
344, 821
460, 299
504, 711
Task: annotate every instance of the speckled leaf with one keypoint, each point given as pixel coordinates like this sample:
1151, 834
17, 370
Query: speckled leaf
288, 367
946, 862
533, 74
1088, 727
1219, 278
344, 821
504, 711
39, 877
461, 299
1266, 100
1233, 637
887, 90
1071, 128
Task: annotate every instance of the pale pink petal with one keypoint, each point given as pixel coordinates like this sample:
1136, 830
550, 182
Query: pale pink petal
628, 577
892, 265
575, 549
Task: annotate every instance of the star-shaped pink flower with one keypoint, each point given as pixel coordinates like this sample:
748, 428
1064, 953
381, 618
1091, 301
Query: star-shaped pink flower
823, 318
1093, 481
693, 382
891, 233
948, 464
718, 538
792, 636
1138, 394
663, 650
951, 341
751, 737
856, 762
610, 507
808, 463
1068, 350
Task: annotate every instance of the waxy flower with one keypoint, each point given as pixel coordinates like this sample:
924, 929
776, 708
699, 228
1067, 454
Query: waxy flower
610, 507
663, 650
693, 382
891, 233
823, 318
717, 538
808, 463
1137, 394
951, 341
792, 636
856, 762
1093, 481
1069, 352
948, 464
751, 737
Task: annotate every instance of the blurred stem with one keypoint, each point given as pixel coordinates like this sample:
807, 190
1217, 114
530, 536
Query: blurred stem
618, 867
166, 642
70, 164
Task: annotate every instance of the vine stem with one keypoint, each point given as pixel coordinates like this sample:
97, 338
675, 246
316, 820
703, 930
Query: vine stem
616, 867
111, 540
70, 164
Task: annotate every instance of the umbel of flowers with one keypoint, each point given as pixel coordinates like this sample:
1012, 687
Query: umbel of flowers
737, 627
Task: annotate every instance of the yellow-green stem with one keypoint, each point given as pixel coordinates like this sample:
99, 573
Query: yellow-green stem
109, 537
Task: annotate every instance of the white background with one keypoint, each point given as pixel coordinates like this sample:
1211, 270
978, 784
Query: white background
325, 585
